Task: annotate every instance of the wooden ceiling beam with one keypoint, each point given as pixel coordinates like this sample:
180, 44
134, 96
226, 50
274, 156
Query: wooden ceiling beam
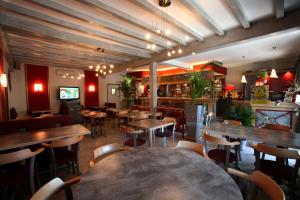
40, 12
149, 6
92, 18
235, 6
261, 29
134, 20
194, 5
6, 49
20, 22
279, 8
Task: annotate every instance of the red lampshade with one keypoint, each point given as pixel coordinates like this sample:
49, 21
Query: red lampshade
229, 87
38, 87
91, 88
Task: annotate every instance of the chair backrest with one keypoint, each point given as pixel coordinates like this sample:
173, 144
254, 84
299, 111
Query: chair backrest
13, 113
262, 181
277, 127
169, 119
7, 158
105, 151
53, 187
216, 140
135, 111
232, 122
275, 151
192, 146
123, 112
126, 129
65, 142
157, 115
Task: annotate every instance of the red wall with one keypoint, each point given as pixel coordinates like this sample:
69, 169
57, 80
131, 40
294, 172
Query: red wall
91, 98
3, 93
282, 83
37, 101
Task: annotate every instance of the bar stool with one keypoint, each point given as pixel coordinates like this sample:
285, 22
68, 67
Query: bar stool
134, 141
13, 172
64, 152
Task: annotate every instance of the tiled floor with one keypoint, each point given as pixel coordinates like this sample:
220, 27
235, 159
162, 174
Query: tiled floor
113, 135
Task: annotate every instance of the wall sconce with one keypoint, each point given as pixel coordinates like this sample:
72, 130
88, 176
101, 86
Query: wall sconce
92, 88
243, 80
229, 87
38, 87
273, 74
3, 80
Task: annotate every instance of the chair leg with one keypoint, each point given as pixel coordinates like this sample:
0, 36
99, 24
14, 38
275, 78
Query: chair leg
13, 195
31, 175
69, 193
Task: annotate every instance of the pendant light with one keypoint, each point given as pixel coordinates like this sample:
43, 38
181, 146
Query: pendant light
273, 74
243, 80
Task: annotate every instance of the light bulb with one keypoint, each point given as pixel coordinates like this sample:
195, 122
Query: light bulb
167, 32
72, 77
148, 46
179, 51
148, 36
104, 73
153, 46
169, 53
158, 31
98, 66
173, 51
64, 76
91, 67
104, 67
168, 43
110, 71
97, 74
111, 66
186, 37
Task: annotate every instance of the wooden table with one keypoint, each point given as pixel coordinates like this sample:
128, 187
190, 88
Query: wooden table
23, 139
150, 125
268, 136
156, 174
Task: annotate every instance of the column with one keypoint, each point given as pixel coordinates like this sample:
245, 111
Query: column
153, 86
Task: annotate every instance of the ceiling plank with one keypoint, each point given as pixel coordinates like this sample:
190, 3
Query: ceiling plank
7, 52
55, 17
149, 6
135, 20
235, 6
203, 14
279, 6
35, 26
258, 30
83, 14
41, 42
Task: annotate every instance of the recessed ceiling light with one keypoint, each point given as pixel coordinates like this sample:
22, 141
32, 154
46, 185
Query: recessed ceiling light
148, 36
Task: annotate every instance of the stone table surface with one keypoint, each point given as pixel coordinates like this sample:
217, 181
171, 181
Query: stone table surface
23, 139
268, 136
156, 174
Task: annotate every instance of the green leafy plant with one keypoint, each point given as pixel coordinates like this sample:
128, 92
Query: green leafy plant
127, 88
240, 113
199, 85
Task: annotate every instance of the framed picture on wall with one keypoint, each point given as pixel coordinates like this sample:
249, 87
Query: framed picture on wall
113, 91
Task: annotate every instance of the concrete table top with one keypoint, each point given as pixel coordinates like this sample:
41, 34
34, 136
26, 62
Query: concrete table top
156, 174
22, 139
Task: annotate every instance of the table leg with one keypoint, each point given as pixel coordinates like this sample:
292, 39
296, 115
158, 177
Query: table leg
134, 140
150, 137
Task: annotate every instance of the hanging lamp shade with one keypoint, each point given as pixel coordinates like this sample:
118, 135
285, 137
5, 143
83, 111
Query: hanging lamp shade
243, 80
273, 74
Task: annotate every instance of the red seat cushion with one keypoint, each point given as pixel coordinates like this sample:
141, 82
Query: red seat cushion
219, 155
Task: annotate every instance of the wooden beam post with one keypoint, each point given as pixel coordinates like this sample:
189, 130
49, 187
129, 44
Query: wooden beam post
153, 86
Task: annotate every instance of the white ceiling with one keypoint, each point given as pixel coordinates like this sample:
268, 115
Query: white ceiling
287, 46
67, 31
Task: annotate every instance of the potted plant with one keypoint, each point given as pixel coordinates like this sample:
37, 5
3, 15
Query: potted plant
194, 114
127, 88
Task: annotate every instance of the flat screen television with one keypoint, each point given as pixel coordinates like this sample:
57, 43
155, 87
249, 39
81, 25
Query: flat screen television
68, 93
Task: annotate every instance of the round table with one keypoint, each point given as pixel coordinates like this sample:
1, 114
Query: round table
155, 174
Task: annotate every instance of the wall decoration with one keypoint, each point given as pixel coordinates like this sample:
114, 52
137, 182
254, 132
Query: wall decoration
260, 94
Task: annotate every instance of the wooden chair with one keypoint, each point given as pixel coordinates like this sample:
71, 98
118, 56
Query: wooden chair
133, 141
233, 122
122, 120
157, 115
280, 171
277, 127
13, 172
167, 131
263, 182
64, 152
104, 151
192, 146
135, 111
221, 155
237, 123
53, 187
